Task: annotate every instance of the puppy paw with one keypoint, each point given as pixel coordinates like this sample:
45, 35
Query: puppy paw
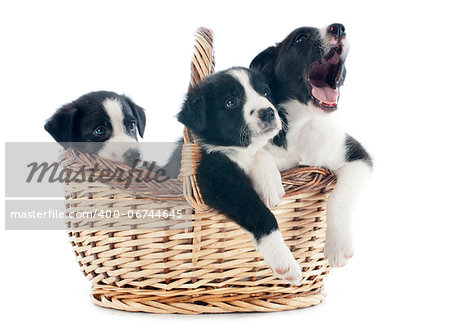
279, 258
266, 179
338, 248
270, 191
273, 197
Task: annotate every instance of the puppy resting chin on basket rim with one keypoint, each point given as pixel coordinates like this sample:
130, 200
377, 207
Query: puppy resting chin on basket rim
231, 115
102, 123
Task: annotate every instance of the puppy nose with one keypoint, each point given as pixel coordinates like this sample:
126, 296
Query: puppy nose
266, 115
336, 30
131, 156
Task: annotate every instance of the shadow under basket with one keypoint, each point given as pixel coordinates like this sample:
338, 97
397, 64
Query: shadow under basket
196, 261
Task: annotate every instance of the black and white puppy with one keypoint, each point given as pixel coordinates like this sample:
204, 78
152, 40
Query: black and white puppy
102, 123
232, 117
305, 72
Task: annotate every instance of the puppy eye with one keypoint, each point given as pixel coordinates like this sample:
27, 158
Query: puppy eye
100, 131
301, 37
231, 102
132, 125
266, 93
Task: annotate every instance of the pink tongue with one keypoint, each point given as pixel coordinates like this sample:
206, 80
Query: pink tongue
325, 94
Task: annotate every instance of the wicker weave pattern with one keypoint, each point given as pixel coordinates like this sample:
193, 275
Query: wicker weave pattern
200, 263
210, 258
220, 300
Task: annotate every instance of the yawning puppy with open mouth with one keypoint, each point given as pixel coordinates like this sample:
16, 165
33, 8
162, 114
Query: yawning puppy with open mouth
305, 72
232, 117
325, 76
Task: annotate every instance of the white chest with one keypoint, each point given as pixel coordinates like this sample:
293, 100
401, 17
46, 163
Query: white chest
312, 139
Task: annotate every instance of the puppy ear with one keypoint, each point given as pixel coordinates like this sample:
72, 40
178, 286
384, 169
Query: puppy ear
265, 61
193, 113
139, 113
60, 125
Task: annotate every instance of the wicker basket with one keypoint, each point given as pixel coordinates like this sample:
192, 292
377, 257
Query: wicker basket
201, 262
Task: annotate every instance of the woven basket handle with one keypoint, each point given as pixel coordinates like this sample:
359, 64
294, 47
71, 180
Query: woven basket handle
202, 65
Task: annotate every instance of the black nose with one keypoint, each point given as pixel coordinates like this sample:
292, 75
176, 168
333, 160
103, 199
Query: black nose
266, 115
337, 30
131, 156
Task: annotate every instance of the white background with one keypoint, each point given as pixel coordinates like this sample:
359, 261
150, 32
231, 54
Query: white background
395, 100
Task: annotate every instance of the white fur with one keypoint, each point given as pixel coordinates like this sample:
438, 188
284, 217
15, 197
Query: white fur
317, 139
119, 142
254, 160
352, 177
259, 165
331, 41
262, 170
314, 138
254, 102
279, 258
266, 179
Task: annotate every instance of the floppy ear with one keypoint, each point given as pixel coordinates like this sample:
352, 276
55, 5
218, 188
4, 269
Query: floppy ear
193, 113
265, 61
139, 113
60, 125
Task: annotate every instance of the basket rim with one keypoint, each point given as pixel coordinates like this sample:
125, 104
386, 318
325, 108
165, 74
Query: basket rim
295, 180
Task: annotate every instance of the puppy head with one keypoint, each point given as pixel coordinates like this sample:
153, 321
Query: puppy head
308, 66
102, 123
231, 108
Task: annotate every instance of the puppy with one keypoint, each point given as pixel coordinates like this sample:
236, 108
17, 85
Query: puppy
102, 123
305, 72
231, 116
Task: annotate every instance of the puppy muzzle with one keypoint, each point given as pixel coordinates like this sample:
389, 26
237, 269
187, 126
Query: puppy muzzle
266, 115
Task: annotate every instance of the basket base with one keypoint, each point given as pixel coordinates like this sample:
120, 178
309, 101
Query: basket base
198, 301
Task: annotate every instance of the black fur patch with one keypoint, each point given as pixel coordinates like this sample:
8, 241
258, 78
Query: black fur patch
73, 124
205, 113
287, 64
356, 152
227, 188
224, 185
280, 139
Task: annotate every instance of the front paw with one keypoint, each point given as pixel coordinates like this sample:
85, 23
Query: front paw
270, 190
279, 258
338, 248
273, 197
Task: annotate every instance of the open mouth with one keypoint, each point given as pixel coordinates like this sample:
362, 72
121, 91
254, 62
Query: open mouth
324, 77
